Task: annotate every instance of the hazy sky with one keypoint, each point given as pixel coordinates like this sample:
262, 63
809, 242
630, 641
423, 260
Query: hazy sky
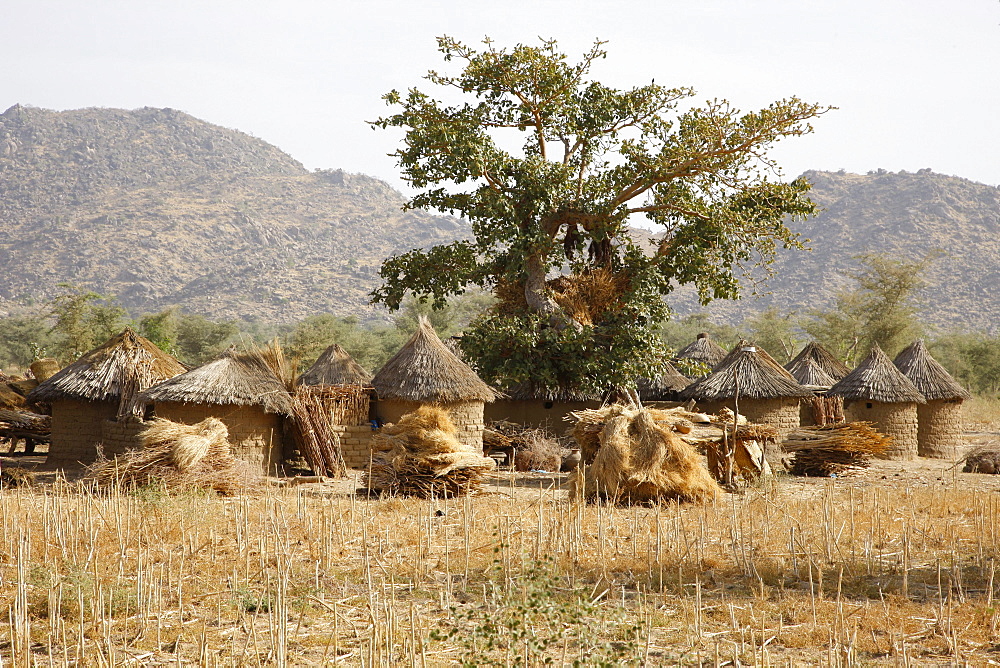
916, 81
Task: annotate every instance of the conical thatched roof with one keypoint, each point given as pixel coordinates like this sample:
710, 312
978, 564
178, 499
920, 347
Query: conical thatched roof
335, 367
661, 387
116, 370
876, 379
824, 358
703, 349
234, 379
425, 370
808, 373
765, 356
933, 381
748, 373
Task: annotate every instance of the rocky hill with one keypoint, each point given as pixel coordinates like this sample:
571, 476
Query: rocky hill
163, 209
906, 215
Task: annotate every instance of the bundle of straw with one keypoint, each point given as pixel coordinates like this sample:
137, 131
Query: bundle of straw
835, 449
179, 456
641, 459
421, 456
589, 423
533, 449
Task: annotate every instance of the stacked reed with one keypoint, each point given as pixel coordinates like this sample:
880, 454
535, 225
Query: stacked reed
835, 449
638, 458
421, 456
315, 410
178, 457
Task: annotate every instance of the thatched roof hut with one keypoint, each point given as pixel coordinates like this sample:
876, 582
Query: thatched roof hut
424, 371
767, 394
335, 367
540, 407
95, 400
703, 349
939, 421
876, 391
823, 358
241, 390
664, 387
809, 373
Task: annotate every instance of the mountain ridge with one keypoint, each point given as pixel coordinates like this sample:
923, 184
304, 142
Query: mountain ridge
163, 209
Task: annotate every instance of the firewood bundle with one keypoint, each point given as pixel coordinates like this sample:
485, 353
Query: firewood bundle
22, 424
834, 450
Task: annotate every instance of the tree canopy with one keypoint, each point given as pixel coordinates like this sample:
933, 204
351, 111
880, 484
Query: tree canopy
548, 166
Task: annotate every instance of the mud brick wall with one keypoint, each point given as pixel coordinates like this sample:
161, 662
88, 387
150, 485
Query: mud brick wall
77, 430
256, 436
117, 437
355, 444
940, 429
896, 420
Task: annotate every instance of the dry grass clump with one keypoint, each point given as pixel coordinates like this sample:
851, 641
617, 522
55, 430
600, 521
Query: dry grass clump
639, 461
835, 449
421, 456
532, 449
585, 297
16, 476
179, 456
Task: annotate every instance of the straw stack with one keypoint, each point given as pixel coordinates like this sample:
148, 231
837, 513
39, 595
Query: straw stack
422, 456
179, 456
639, 460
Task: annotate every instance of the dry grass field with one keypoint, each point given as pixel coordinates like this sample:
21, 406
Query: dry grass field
897, 566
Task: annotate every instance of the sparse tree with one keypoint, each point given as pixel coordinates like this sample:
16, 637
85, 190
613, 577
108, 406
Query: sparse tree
578, 302
83, 320
776, 332
882, 308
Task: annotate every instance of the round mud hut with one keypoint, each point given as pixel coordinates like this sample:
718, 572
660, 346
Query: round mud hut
939, 421
703, 349
822, 358
424, 371
241, 390
877, 392
665, 387
95, 400
764, 391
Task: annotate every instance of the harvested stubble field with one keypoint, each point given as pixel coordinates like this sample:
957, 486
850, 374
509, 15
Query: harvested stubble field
897, 566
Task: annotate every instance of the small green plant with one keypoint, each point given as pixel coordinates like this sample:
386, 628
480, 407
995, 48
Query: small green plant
252, 602
535, 621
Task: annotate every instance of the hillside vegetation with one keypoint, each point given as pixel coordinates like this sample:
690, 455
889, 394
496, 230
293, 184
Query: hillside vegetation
161, 209
903, 215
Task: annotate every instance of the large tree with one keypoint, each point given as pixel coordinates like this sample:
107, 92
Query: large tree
548, 166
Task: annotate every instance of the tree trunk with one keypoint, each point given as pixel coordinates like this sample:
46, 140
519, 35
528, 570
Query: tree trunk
539, 297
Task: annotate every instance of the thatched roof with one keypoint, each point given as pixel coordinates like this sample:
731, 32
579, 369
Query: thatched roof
876, 379
750, 374
234, 379
824, 358
703, 349
933, 381
116, 370
808, 373
335, 367
425, 370
663, 386
765, 357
